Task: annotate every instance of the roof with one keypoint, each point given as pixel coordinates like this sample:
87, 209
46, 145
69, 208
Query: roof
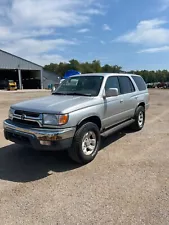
20, 58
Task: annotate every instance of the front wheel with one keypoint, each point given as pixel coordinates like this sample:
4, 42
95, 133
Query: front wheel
86, 143
139, 119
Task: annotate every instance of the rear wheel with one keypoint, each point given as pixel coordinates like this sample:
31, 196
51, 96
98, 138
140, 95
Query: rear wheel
86, 143
139, 119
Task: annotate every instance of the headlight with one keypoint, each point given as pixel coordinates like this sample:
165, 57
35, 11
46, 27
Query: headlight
11, 113
55, 120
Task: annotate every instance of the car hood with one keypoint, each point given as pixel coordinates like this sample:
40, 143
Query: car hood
55, 104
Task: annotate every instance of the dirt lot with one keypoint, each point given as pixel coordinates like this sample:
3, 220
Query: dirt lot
128, 182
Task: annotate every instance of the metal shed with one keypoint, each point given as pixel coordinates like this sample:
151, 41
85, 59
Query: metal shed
28, 75
50, 79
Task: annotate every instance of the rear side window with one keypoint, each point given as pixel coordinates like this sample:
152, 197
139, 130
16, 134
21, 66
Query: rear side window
140, 83
126, 85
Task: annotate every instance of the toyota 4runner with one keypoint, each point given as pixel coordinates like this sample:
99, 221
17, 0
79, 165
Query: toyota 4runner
81, 109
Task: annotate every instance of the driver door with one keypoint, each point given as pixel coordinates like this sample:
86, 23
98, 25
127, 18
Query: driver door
113, 109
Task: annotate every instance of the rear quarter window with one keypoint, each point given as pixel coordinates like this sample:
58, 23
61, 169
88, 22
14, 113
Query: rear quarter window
140, 83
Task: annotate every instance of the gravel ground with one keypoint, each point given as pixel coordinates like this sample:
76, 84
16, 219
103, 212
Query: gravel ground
127, 183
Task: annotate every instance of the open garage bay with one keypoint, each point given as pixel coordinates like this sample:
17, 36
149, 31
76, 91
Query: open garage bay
30, 79
127, 183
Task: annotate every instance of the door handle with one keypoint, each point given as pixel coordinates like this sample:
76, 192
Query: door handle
136, 97
121, 100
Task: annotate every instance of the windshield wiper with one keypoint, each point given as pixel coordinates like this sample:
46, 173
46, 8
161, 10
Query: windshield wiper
71, 93
80, 94
58, 93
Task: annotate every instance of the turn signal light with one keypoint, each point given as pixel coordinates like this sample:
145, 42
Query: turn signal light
63, 119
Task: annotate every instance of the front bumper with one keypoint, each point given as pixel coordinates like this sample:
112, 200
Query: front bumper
39, 138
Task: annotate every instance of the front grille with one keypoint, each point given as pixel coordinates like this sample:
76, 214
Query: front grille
32, 124
31, 119
31, 114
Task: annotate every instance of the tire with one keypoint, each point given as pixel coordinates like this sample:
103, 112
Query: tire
139, 119
83, 151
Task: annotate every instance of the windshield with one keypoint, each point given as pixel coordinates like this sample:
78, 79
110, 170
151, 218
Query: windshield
81, 85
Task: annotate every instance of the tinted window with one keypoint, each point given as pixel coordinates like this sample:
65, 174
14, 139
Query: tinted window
140, 83
126, 85
112, 82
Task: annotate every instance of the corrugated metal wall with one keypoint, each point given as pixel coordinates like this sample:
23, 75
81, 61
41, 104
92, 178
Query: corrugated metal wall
9, 61
50, 78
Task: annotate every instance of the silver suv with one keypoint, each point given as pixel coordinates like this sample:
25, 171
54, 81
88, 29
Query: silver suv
74, 117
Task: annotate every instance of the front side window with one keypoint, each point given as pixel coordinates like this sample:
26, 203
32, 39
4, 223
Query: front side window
80, 85
112, 82
126, 85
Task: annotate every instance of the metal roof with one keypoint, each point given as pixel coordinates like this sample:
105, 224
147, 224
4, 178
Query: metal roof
10, 61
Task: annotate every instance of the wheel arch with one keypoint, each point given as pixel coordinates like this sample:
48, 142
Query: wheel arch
93, 118
141, 104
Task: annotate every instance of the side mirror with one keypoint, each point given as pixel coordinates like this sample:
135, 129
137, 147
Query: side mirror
111, 92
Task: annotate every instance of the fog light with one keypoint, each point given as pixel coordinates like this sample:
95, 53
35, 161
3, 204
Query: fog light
48, 143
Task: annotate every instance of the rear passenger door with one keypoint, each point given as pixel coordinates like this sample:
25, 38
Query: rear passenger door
128, 97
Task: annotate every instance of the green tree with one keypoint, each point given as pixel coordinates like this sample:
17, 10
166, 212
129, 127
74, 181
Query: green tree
95, 67
74, 64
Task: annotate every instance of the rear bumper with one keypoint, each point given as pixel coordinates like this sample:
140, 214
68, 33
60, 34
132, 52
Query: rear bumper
40, 139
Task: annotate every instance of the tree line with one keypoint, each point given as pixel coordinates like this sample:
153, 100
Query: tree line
96, 67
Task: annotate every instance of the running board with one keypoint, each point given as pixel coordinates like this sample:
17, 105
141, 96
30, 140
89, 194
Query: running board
117, 128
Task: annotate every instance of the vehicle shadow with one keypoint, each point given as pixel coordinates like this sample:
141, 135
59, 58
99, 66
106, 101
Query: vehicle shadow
106, 141
22, 164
